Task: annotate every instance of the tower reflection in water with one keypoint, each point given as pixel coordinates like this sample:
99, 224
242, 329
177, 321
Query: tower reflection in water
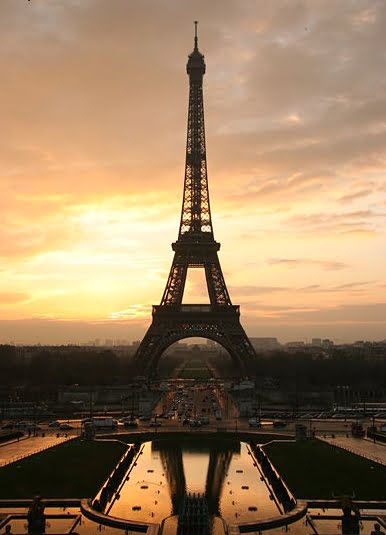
206, 469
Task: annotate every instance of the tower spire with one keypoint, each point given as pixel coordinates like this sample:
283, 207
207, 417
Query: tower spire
195, 35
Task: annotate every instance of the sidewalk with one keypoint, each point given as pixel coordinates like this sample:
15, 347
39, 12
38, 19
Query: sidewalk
363, 447
28, 446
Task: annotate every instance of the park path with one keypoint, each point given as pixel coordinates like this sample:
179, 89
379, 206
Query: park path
16, 450
363, 447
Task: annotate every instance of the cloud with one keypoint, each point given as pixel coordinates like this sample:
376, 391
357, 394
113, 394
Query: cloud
251, 291
374, 313
349, 288
254, 292
366, 221
294, 262
134, 311
94, 103
53, 331
345, 323
354, 196
12, 298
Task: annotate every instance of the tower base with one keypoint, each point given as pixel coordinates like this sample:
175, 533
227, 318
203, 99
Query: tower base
172, 323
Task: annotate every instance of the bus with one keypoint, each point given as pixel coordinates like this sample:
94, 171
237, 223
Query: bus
102, 422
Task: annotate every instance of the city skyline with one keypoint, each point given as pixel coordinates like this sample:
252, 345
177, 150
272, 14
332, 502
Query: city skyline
94, 105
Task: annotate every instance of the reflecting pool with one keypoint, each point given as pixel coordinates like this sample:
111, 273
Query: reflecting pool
224, 471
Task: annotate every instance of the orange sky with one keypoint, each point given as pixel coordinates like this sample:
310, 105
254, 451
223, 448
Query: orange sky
94, 104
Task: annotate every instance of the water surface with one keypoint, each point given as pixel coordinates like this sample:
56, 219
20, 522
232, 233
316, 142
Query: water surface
222, 470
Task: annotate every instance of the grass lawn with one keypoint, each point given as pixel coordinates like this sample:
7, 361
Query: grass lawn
314, 469
74, 469
195, 373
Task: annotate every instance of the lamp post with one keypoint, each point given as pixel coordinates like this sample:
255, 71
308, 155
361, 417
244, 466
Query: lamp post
374, 440
91, 401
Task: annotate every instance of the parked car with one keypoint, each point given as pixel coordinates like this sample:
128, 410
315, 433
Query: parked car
65, 427
23, 424
131, 423
54, 424
254, 422
155, 424
279, 423
33, 427
7, 426
195, 423
204, 420
126, 419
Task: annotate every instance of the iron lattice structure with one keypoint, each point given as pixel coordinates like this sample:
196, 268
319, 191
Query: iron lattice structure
195, 248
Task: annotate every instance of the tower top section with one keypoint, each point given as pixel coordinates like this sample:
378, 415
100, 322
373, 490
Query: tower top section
196, 64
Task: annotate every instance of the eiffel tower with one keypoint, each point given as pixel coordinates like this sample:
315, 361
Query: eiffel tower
195, 248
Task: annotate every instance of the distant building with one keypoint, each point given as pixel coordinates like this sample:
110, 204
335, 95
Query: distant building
326, 343
299, 343
316, 342
244, 385
264, 344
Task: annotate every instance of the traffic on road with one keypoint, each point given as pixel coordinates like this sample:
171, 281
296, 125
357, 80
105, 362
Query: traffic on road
194, 406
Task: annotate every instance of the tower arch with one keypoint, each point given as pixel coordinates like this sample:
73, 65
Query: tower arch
177, 337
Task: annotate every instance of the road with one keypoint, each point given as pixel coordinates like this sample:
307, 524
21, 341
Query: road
194, 403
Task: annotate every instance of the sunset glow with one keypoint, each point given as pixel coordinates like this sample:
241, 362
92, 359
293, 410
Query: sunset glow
94, 106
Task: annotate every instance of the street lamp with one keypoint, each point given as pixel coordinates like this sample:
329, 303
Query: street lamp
374, 440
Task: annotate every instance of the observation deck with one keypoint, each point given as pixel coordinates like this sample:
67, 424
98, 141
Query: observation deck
198, 311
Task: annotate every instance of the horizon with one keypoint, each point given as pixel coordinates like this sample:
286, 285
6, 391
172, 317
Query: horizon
94, 121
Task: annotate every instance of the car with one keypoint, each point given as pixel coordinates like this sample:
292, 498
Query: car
254, 424
23, 424
54, 424
7, 426
144, 418
204, 420
279, 423
155, 424
126, 419
130, 423
195, 423
65, 427
33, 427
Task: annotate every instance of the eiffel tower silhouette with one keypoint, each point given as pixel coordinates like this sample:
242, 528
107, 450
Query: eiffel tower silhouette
195, 248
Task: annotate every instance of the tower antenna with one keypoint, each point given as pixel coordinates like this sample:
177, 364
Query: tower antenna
195, 35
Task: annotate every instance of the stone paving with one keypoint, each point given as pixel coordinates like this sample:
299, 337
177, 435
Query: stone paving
360, 446
15, 450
